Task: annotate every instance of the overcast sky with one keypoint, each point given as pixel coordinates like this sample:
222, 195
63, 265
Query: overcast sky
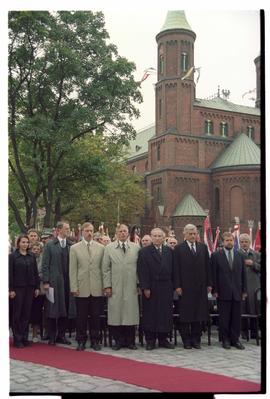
225, 48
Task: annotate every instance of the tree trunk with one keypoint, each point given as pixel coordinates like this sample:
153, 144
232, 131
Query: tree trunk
17, 215
57, 210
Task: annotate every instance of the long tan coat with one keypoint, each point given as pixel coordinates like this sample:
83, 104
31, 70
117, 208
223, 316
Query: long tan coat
85, 272
120, 273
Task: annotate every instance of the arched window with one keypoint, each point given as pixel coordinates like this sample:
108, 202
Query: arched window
160, 108
158, 152
250, 132
161, 64
134, 169
224, 129
146, 165
236, 202
184, 62
208, 126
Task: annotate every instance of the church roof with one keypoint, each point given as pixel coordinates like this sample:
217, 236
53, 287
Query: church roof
188, 206
241, 152
176, 20
139, 145
225, 105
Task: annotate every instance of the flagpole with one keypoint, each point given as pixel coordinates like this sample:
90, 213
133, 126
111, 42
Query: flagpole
118, 211
250, 226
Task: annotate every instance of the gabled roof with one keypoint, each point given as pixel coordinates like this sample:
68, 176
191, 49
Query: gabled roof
225, 105
139, 145
242, 151
176, 20
189, 207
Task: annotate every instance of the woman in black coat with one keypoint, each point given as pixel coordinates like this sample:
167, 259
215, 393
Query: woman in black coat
23, 286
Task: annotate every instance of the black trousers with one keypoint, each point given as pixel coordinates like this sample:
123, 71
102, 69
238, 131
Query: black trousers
90, 306
151, 336
57, 327
21, 313
36, 311
229, 320
123, 335
191, 332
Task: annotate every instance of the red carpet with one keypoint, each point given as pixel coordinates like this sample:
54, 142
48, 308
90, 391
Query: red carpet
152, 376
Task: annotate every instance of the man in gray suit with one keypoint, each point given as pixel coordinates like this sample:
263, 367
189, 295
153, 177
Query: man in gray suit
120, 286
55, 275
86, 285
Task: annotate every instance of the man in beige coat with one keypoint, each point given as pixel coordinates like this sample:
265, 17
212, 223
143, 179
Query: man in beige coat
120, 286
86, 285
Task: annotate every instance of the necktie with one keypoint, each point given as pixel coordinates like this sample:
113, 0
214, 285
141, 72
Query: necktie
63, 243
193, 249
230, 259
88, 248
124, 247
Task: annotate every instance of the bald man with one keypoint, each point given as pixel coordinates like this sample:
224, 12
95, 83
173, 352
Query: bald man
155, 272
146, 240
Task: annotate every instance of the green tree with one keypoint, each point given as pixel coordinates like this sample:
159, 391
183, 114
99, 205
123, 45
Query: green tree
121, 197
65, 83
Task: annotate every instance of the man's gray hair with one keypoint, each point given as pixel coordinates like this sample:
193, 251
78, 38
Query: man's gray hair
244, 236
157, 228
189, 227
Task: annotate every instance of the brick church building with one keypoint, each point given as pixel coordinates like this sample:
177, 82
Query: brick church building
201, 154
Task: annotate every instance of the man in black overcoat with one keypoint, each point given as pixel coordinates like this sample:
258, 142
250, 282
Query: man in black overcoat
230, 288
252, 261
155, 273
193, 283
55, 274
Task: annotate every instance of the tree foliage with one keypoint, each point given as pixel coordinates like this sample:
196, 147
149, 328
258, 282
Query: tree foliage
67, 87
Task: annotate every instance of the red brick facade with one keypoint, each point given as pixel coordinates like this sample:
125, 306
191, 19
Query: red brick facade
180, 155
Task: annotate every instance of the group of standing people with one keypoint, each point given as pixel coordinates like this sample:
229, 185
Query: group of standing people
78, 277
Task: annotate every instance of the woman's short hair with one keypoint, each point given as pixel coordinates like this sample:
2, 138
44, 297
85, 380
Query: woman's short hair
21, 236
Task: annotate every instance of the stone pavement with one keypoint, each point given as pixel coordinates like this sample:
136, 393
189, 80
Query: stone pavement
241, 364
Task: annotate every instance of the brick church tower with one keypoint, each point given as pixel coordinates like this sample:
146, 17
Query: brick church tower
200, 154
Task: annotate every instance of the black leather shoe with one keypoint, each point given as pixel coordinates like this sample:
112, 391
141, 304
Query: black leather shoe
150, 347
96, 346
19, 345
166, 344
226, 345
116, 347
196, 346
51, 342
238, 345
133, 347
80, 347
187, 346
63, 341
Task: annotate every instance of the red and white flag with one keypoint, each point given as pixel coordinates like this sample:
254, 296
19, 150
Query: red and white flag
236, 234
250, 236
257, 241
147, 72
208, 236
216, 239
